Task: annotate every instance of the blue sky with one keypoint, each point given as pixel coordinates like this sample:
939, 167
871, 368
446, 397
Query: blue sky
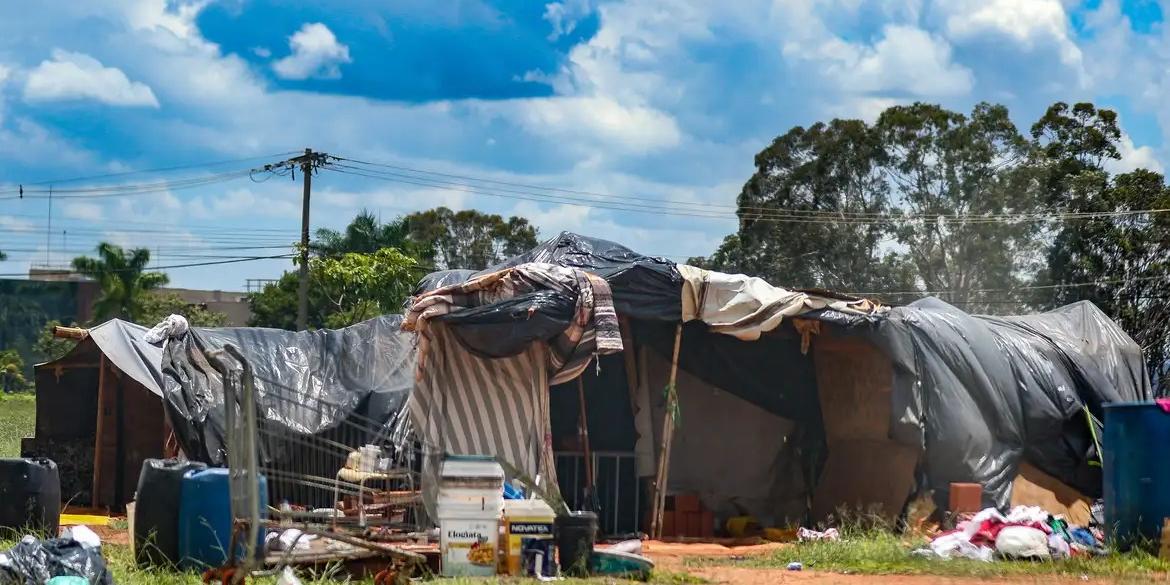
651, 98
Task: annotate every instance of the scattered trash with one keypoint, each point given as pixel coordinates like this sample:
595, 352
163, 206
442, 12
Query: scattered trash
169, 328
38, 561
1025, 532
807, 535
795, 566
82, 534
628, 546
288, 577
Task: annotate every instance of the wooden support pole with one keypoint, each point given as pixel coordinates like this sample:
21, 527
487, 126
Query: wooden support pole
631, 358
95, 489
583, 429
70, 333
659, 499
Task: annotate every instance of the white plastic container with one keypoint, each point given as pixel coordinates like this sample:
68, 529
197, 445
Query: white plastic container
369, 458
470, 503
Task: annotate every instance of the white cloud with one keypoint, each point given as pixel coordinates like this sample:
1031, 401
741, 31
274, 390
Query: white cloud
1028, 22
563, 16
315, 53
77, 76
905, 59
596, 122
1133, 157
84, 211
262, 52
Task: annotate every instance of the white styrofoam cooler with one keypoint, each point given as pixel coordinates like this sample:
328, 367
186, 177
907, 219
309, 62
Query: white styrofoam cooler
470, 503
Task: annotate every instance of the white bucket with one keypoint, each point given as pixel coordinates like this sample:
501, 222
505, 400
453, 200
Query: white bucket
468, 545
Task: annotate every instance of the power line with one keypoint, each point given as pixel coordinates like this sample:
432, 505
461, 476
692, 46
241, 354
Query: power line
1013, 289
177, 266
768, 214
158, 169
705, 208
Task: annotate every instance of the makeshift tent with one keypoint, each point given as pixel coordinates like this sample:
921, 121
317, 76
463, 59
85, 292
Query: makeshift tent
869, 402
307, 383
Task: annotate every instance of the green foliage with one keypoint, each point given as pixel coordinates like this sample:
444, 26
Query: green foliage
50, 347
468, 239
365, 235
12, 372
348, 293
276, 305
123, 278
363, 286
157, 306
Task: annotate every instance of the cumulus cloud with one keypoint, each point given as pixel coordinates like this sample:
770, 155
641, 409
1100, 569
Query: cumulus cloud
315, 53
906, 59
563, 16
1028, 22
1133, 157
84, 211
77, 76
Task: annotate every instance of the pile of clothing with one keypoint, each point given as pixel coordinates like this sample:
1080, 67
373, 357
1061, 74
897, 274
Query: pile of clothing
1027, 532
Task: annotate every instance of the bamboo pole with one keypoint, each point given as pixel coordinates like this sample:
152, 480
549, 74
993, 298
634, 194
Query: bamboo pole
667, 438
99, 435
631, 358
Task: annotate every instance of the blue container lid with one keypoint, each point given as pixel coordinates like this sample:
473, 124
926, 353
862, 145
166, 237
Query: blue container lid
1139, 404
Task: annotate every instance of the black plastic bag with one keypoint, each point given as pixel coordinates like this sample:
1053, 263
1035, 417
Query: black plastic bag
34, 562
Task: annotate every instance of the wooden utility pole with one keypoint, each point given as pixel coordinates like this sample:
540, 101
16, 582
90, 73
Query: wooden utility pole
306, 163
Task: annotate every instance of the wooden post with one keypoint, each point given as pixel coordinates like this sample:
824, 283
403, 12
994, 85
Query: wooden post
583, 430
631, 357
659, 498
99, 435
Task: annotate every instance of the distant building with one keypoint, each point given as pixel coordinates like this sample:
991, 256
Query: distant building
232, 304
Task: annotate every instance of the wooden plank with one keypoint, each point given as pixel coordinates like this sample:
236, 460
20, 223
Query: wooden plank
95, 490
659, 487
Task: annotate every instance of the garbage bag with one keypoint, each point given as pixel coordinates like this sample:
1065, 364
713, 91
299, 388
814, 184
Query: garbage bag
35, 562
1022, 542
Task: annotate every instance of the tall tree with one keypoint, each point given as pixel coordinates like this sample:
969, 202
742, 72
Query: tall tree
945, 164
796, 212
468, 239
123, 278
366, 235
275, 305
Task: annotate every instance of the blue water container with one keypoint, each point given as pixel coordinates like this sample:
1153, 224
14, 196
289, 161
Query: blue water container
205, 519
1136, 473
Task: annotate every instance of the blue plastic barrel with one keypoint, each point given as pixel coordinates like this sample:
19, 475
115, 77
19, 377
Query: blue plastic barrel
205, 519
1136, 460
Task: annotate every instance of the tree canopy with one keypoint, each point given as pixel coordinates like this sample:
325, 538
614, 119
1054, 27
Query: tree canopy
123, 278
928, 201
370, 267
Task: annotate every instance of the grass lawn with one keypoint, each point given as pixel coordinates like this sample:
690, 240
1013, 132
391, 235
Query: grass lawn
17, 417
885, 553
126, 572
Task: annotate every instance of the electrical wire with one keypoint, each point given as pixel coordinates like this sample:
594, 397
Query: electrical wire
1013, 289
177, 266
160, 169
766, 214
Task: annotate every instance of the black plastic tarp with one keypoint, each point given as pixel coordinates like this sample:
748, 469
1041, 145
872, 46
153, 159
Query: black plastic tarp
981, 393
308, 383
644, 287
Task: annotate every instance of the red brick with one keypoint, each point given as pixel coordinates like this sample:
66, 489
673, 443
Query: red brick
687, 502
966, 498
708, 528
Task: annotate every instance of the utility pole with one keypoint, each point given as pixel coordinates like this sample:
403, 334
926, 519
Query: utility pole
306, 163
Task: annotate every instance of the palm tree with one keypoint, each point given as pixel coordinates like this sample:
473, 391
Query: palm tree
122, 278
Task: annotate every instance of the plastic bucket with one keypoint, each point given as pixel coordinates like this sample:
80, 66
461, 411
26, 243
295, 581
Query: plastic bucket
576, 534
468, 544
1136, 473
